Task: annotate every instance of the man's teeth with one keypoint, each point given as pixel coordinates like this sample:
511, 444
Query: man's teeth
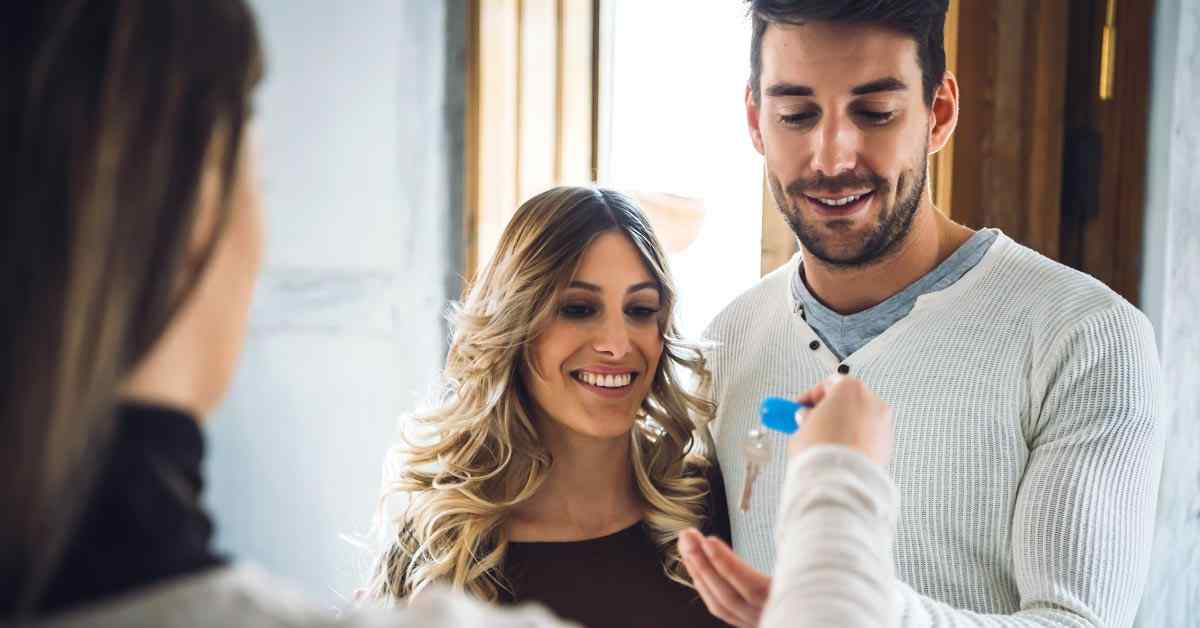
606, 381
838, 202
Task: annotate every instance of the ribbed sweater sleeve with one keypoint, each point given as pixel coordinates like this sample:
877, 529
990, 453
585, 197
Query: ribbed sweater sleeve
834, 536
1084, 513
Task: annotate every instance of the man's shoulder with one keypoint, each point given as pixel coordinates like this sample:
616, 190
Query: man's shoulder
758, 303
1052, 297
1050, 289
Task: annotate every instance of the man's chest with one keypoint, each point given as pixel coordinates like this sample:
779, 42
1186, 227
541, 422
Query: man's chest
960, 444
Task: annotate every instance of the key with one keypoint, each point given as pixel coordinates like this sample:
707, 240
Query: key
757, 451
778, 415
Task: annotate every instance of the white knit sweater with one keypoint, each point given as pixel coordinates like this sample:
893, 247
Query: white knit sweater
1028, 439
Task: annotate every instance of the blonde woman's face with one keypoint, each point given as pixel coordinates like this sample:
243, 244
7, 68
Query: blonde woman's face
594, 363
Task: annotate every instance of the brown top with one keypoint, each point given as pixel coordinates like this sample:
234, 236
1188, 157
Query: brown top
614, 580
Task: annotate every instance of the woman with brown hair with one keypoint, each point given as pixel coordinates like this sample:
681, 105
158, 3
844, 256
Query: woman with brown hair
131, 242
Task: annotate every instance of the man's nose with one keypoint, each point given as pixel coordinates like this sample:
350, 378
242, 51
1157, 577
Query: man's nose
837, 148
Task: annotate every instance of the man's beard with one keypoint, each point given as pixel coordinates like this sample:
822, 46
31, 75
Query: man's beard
877, 243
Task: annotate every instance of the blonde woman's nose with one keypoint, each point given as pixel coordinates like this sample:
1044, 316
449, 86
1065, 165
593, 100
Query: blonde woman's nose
613, 338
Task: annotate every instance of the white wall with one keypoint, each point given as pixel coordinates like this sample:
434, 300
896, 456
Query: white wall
361, 156
1171, 298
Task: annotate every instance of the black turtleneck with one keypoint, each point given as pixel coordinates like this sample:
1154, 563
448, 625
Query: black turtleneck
144, 523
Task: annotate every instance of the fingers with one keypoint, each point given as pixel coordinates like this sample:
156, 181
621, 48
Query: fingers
816, 394
846, 412
698, 568
711, 602
719, 596
751, 585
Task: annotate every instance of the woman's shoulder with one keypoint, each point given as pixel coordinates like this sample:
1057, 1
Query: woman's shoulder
240, 595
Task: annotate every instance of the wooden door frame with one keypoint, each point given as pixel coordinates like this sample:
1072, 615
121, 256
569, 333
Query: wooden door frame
531, 109
1109, 245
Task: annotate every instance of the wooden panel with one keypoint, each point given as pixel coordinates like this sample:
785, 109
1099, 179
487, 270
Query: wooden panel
537, 114
1099, 234
1008, 158
1132, 97
495, 99
942, 170
974, 63
778, 241
471, 140
576, 99
1044, 130
530, 108
1082, 80
1107, 243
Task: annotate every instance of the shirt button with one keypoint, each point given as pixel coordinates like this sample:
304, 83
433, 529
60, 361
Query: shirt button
814, 345
844, 369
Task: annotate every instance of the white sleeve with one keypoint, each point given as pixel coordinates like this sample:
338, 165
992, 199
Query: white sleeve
836, 527
1084, 515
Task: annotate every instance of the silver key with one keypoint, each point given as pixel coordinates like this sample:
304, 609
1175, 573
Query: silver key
757, 451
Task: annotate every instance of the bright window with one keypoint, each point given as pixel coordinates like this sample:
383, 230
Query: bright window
672, 132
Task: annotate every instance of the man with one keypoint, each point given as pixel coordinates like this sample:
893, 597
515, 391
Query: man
1027, 395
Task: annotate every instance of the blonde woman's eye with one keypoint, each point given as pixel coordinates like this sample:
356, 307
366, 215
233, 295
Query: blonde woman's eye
576, 310
642, 312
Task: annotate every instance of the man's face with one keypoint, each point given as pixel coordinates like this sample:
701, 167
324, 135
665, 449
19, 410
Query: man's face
844, 129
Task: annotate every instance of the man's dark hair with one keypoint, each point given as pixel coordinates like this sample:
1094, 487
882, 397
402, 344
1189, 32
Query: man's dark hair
923, 20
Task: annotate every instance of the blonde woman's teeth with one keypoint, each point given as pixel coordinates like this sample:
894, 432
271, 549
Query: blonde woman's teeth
606, 381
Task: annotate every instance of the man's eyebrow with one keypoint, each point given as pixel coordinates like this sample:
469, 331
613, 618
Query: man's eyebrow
789, 89
889, 84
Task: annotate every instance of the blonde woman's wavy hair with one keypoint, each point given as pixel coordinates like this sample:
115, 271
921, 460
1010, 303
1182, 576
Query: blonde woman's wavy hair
480, 454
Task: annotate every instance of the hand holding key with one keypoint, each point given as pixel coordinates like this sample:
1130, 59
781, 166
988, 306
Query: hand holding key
854, 417
846, 412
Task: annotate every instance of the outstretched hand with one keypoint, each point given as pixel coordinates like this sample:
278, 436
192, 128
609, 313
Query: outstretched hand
732, 590
844, 412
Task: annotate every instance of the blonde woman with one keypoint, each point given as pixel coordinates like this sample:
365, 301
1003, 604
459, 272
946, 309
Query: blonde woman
562, 464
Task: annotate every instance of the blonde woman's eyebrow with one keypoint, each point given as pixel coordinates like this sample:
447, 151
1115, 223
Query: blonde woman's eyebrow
591, 287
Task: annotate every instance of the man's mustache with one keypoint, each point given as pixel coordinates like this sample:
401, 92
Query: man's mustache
840, 182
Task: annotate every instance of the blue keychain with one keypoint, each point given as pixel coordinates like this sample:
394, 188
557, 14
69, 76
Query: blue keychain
776, 414
779, 414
